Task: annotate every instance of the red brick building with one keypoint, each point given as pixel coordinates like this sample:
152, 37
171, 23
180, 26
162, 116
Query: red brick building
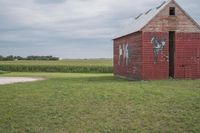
160, 43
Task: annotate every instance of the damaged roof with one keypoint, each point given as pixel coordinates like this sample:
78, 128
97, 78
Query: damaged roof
142, 19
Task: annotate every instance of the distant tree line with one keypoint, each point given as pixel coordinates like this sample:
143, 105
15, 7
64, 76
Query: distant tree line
12, 58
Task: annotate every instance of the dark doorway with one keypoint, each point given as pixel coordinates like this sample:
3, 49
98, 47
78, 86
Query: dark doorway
171, 53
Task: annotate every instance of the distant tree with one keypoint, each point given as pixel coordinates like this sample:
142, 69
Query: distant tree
11, 58
19, 58
1, 58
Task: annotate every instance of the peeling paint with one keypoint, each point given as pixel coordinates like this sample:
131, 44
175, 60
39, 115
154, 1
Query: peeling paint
125, 53
159, 44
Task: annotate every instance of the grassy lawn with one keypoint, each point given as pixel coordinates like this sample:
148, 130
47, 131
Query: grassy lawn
98, 103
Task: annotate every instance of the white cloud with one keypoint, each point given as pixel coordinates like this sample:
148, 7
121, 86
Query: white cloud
41, 22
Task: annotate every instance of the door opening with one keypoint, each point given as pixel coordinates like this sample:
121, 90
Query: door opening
171, 53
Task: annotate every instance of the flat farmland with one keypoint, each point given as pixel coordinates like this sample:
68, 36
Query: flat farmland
84, 96
73, 66
78, 102
72, 62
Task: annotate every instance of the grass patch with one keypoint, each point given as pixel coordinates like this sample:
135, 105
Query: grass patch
3, 72
72, 102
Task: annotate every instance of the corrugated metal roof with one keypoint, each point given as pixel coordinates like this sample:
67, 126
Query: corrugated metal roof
141, 20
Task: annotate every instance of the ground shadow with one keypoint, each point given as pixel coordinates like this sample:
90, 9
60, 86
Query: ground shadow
102, 79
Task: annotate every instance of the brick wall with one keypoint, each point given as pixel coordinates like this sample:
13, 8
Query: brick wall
128, 56
187, 55
155, 66
163, 22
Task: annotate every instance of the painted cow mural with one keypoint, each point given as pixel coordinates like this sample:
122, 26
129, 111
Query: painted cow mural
158, 46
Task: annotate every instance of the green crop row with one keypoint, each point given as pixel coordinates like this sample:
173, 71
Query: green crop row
3, 72
49, 68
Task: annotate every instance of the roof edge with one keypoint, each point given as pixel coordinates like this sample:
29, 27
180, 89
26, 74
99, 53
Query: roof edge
197, 24
158, 13
127, 34
168, 1
180, 9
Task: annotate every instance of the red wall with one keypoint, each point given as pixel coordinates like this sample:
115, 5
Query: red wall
187, 55
163, 22
130, 66
152, 68
142, 63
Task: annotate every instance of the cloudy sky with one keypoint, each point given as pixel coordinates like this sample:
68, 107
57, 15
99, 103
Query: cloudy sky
69, 28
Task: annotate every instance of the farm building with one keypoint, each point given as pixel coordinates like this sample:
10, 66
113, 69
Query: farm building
160, 43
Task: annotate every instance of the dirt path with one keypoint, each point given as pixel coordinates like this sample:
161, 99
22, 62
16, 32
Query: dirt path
11, 80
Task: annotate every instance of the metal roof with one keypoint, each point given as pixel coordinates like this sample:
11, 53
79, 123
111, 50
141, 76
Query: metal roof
141, 20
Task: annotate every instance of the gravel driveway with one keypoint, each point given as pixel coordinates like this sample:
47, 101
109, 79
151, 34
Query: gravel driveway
10, 80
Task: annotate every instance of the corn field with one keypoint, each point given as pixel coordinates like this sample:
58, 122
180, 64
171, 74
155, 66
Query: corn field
72, 66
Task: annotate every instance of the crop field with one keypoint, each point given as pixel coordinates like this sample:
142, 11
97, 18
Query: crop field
72, 62
73, 66
79, 102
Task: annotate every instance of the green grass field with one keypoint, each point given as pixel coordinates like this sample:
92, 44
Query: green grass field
67, 102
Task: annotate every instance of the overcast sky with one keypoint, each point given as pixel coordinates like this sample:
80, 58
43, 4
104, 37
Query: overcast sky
70, 28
